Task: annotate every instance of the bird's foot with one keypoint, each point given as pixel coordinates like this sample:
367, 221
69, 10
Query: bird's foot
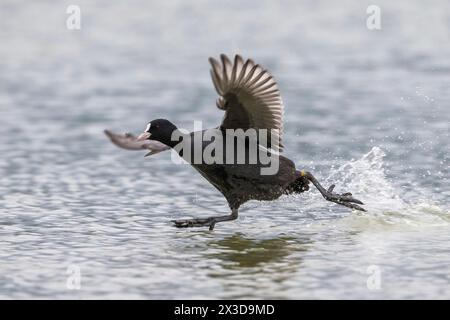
197, 222
205, 222
345, 199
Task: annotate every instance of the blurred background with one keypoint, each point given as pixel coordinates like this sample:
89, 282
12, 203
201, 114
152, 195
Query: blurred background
365, 109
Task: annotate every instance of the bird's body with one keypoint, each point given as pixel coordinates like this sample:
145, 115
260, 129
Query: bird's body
240, 183
240, 158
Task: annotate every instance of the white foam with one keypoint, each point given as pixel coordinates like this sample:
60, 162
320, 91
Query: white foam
366, 179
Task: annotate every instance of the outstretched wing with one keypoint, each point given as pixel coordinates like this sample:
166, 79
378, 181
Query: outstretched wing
129, 142
249, 95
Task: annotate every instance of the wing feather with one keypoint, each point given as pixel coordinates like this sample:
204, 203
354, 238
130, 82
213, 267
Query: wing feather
246, 88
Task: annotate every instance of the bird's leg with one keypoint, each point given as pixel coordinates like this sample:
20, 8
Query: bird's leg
344, 199
205, 222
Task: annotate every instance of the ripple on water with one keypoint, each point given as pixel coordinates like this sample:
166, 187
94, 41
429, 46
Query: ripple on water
70, 198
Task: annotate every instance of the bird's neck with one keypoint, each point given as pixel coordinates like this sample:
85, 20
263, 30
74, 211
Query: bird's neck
172, 140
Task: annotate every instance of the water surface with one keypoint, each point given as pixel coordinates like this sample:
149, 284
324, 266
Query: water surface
367, 110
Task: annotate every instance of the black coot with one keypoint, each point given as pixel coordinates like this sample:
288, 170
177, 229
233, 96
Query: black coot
250, 98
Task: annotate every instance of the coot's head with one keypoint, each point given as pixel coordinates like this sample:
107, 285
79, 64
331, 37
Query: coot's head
160, 130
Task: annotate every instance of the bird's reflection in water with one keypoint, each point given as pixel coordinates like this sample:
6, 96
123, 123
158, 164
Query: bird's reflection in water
260, 268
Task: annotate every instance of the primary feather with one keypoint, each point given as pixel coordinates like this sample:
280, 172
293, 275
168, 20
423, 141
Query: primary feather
249, 95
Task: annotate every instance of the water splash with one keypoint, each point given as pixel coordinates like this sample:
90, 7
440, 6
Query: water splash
367, 180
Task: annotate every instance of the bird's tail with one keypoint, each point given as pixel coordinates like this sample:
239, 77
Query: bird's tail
301, 184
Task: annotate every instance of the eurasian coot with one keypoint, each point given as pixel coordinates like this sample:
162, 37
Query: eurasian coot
251, 100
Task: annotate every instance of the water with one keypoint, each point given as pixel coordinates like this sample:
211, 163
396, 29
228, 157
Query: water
367, 110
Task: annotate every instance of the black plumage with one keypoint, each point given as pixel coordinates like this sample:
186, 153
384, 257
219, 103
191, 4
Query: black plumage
250, 98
